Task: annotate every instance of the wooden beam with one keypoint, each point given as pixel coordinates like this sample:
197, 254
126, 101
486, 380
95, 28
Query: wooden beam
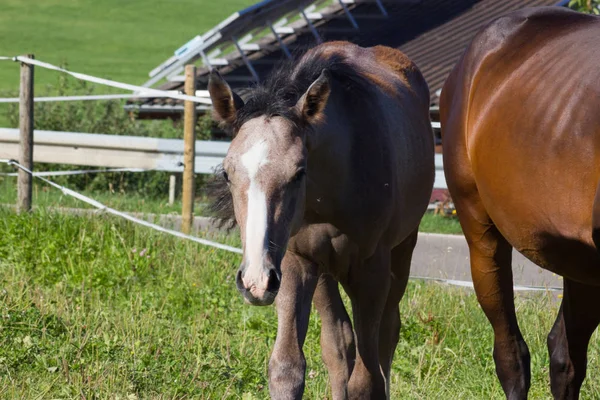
189, 152
25, 137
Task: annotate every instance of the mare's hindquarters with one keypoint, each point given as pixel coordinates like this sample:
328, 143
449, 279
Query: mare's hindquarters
490, 252
596, 219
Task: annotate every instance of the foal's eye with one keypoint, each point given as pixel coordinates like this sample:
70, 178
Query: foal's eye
299, 175
225, 176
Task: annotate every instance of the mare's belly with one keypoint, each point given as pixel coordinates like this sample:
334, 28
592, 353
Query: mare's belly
542, 204
557, 241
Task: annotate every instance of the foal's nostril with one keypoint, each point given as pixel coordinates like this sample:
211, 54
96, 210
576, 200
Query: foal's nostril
274, 281
238, 280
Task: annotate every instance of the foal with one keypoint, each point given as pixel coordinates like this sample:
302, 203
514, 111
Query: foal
328, 175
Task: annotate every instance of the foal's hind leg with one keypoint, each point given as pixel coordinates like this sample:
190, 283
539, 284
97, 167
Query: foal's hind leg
568, 340
368, 287
389, 331
337, 337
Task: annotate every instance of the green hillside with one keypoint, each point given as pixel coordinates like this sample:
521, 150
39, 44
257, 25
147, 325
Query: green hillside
116, 39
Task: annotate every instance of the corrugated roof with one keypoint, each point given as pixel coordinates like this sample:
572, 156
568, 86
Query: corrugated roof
437, 50
433, 33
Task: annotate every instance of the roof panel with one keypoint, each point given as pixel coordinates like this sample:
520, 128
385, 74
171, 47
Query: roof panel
433, 33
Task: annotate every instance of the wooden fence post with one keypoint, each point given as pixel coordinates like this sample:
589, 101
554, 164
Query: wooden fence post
24, 181
172, 187
189, 151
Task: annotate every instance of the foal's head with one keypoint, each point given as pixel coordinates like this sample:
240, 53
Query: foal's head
265, 170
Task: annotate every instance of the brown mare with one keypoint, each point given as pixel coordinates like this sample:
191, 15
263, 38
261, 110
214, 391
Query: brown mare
329, 173
521, 136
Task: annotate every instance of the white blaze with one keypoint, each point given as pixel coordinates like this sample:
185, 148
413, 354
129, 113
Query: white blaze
256, 221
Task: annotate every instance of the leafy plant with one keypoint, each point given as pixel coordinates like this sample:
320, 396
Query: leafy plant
107, 117
586, 6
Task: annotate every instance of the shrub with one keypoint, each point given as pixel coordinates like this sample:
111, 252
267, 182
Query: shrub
586, 6
108, 117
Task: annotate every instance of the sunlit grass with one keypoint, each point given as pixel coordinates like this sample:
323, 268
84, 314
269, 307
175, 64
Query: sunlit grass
45, 196
115, 39
98, 308
432, 223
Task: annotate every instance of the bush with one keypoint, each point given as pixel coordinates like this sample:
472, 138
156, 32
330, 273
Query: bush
108, 117
586, 6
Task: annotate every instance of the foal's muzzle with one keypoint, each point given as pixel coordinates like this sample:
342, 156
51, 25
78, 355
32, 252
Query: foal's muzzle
260, 288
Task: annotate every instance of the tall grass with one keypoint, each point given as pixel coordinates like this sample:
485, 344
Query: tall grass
45, 196
98, 308
433, 223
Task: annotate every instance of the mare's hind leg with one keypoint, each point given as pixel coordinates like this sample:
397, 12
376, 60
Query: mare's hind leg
389, 331
368, 287
568, 340
492, 278
491, 270
337, 337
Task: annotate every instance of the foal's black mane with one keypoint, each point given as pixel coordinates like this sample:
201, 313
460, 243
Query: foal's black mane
290, 80
277, 97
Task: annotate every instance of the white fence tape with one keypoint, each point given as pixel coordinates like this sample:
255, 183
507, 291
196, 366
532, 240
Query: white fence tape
80, 172
128, 217
108, 82
232, 249
468, 284
199, 93
81, 98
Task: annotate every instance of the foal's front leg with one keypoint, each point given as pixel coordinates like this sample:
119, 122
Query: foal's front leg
287, 365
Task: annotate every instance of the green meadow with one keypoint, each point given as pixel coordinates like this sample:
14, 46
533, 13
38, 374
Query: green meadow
115, 39
97, 308
92, 307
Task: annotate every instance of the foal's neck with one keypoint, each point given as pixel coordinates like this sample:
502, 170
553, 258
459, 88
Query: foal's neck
328, 165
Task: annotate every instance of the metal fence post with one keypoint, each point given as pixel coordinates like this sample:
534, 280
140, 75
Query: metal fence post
189, 151
24, 181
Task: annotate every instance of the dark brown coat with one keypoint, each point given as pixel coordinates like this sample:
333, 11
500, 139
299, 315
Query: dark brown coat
330, 171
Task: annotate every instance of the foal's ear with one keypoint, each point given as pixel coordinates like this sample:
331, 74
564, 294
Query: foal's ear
225, 102
313, 102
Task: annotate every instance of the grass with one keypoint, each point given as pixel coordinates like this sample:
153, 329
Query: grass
98, 308
115, 39
45, 196
432, 223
